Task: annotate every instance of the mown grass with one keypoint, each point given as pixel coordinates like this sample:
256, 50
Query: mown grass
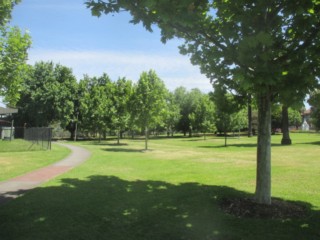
170, 192
16, 158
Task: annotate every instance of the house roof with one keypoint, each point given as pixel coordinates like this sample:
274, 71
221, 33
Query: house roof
7, 111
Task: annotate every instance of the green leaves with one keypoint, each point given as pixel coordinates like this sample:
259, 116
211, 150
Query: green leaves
150, 99
6, 7
13, 55
49, 93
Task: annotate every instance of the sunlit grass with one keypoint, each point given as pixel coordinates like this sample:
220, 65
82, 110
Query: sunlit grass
16, 159
171, 191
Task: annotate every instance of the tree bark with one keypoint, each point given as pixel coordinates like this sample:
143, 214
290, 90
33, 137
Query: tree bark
285, 127
263, 178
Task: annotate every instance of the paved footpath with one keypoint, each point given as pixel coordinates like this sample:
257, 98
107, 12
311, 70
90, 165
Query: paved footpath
17, 186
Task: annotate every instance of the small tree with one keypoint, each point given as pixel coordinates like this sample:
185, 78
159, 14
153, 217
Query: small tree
96, 104
121, 96
226, 106
171, 114
150, 101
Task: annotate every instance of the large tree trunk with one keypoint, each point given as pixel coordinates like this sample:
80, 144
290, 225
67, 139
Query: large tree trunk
250, 134
263, 180
285, 127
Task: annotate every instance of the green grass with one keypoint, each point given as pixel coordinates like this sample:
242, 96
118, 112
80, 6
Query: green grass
170, 192
16, 160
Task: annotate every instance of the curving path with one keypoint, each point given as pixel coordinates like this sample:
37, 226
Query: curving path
17, 186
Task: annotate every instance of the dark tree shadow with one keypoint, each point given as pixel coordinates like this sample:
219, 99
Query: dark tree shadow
107, 207
311, 143
122, 150
240, 145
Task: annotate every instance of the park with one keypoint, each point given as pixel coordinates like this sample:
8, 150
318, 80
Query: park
104, 156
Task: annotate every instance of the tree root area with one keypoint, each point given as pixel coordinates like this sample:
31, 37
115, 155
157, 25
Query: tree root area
247, 208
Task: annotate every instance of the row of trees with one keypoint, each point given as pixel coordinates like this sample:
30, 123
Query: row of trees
51, 94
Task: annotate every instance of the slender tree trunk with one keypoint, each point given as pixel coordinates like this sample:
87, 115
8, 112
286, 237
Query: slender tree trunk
285, 127
250, 134
263, 180
146, 138
118, 137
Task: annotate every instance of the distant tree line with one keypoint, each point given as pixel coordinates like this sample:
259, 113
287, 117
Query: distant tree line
51, 94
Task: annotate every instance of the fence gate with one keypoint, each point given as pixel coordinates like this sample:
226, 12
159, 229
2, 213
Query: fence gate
39, 136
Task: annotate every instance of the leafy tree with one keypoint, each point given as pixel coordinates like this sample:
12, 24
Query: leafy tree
253, 43
207, 112
47, 95
171, 114
314, 102
121, 96
195, 109
13, 54
239, 120
202, 111
150, 101
181, 97
226, 108
96, 106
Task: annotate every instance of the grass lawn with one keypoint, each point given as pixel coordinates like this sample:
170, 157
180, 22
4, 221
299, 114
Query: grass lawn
172, 192
16, 160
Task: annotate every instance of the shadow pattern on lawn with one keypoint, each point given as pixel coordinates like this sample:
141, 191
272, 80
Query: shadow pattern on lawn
107, 207
240, 145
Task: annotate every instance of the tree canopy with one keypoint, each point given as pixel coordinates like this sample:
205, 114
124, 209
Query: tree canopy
48, 94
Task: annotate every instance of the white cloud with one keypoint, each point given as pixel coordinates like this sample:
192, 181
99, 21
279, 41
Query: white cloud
174, 70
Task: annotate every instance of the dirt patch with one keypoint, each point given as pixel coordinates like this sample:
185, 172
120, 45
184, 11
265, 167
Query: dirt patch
247, 208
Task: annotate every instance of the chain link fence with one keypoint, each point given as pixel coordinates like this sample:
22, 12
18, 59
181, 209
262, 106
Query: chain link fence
40, 137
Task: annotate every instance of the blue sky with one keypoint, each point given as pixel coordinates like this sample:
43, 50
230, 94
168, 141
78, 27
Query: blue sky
63, 31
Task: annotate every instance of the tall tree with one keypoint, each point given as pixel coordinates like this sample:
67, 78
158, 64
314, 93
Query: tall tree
96, 104
121, 96
181, 97
171, 114
252, 42
150, 101
47, 95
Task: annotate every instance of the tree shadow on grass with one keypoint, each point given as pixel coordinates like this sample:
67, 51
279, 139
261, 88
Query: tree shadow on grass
107, 207
240, 145
106, 143
310, 143
128, 150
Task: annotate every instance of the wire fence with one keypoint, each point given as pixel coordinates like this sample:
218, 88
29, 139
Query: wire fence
40, 137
